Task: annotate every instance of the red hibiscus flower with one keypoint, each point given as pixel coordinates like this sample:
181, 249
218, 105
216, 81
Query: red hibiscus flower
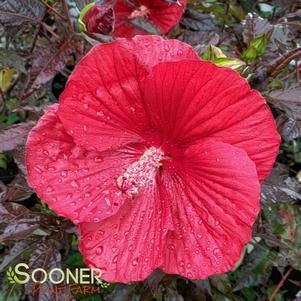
157, 156
162, 14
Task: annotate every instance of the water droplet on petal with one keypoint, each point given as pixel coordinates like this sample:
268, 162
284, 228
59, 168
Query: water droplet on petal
216, 251
180, 52
64, 173
74, 184
98, 159
115, 259
100, 113
38, 169
68, 196
86, 106
99, 250
135, 262
85, 128
171, 247
87, 194
49, 188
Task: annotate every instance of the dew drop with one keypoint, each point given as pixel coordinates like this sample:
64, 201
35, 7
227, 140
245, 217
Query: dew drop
86, 106
99, 250
68, 196
108, 202
114, 249
180, 52
85, 128
182, 263
38, 169
171, 247
131, 247
189, 275
64, 173
87, 194
135, 262
98, 159
115, 259
74, 184
216, 251
167, 48
100, 113
49, 188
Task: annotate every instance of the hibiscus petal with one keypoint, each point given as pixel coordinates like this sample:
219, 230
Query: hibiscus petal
214, 200
166, 15
190, 100
128, 246
75, 183
104, 91
162, 14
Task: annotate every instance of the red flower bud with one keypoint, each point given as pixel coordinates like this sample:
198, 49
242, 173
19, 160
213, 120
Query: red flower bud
99, 19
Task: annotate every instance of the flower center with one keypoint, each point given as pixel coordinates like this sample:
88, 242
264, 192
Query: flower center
141, 173
140, 12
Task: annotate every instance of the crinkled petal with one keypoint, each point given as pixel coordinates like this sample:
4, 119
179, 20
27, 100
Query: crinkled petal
102, 105
75, 183
162, 14
214, 200
191, 100
129, 245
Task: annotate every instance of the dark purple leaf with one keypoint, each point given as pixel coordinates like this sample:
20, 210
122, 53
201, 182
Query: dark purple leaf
253, 26
279, 187
288, 127
287, 100
46, 63
198, 21
16, 135
45, 255
20, 12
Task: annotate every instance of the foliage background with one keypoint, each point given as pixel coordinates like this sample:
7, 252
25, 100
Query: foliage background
39, 46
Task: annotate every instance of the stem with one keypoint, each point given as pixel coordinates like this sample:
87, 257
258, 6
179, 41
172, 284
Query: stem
66, 11
53, 10
297, 70
279, 285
